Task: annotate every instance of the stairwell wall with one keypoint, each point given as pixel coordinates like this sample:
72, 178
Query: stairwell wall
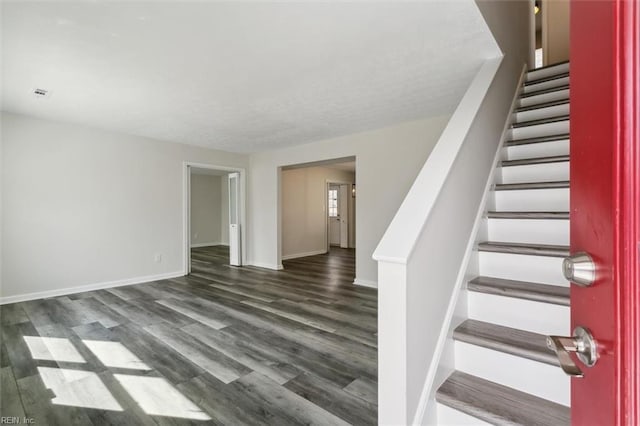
440, 210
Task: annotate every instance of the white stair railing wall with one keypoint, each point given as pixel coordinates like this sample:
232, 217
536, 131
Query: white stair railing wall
423, 256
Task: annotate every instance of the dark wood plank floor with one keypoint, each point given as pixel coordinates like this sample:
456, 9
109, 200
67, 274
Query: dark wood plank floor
224, 346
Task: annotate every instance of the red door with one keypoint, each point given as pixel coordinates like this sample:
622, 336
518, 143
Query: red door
605, 205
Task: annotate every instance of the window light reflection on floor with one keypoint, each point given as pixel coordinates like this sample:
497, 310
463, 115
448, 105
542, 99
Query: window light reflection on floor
114, 354
53, 349
158, 397
78, 388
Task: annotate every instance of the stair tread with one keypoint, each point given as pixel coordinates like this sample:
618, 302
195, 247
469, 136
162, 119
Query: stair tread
549, 250
532, 185
499, 405
546, 79
546, 293
525, 344
542, 105
538, 139
538, 160
544, 91
527, 215
548, 120
557, 64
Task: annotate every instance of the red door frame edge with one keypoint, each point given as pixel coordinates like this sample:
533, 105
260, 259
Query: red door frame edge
627, 238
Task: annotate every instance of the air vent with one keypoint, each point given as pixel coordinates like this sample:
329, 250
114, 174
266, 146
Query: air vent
41, 93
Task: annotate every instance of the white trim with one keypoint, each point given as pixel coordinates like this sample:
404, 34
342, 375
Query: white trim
428, 389
89, 287
365, 283
198, 245
186, 220
274, 267
309, 253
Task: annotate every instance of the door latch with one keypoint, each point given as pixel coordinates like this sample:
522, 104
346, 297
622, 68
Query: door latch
580, 269
582, 343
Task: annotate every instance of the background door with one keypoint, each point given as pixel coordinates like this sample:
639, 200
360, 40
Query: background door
343, 209
333, 211
605, 206
235, 253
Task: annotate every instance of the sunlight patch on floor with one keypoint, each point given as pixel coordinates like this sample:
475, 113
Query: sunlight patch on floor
114, 354
53, 349
78, 388
158, 397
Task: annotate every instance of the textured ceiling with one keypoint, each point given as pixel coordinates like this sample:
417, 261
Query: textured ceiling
240, 76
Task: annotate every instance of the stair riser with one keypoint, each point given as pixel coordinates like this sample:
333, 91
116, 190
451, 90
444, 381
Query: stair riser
538, 269
529, 315
537, 114
546, 172
538, 130
534, 231
547, 85
542, 380
547, 72
451, 417
535, 200
537, 150
545, 97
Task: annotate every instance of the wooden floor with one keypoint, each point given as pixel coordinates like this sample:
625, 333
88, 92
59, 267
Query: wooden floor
224, 345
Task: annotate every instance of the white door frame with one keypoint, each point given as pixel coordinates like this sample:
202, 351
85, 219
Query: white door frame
329, 182
186, 208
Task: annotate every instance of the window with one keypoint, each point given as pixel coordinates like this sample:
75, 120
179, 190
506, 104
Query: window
333, 203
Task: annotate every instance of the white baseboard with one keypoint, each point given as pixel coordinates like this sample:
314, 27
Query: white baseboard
266, 265
89, 287
309, 253
365, 283
198, 245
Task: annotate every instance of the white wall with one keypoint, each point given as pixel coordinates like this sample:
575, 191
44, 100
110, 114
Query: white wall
425, 249
304, 193
206, 209
387, 162
84, 206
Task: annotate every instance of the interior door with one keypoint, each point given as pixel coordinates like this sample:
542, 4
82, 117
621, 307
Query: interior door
343, 209
333, 201
235, 252
605, 206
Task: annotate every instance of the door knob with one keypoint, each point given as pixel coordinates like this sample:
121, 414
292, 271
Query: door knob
580, 269
582, 343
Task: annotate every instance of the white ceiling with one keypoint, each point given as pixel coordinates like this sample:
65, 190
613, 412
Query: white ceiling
347, 167
240, 76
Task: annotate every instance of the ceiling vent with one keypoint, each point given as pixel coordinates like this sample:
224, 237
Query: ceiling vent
41, 93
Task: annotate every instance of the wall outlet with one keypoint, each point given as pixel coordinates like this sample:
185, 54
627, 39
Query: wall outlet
158, 258
195, 236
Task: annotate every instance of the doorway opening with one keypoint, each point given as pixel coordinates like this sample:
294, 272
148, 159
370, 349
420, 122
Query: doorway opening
318, 209
214, 217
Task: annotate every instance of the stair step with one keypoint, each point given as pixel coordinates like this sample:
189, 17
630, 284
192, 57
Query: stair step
538, 160
527, 249
509, 340
531, 185
545, 79
540, 121
544, 91
539, 139
498, 404
528, 215
521, 289
548, 70
542, 105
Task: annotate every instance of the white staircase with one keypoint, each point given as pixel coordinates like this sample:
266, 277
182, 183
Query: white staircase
504, 373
